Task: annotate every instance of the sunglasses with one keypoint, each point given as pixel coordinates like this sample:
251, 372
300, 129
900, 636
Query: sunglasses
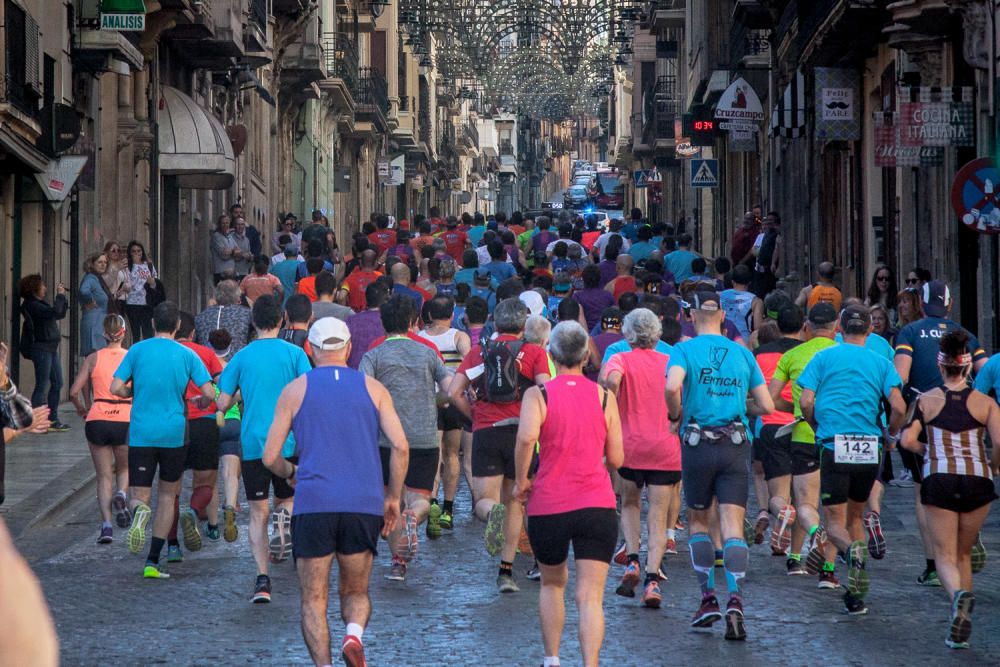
912, 281
882, 279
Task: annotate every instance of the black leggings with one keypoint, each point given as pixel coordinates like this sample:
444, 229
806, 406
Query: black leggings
140, 321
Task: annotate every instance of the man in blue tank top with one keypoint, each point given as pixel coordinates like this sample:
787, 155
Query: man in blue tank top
335, 414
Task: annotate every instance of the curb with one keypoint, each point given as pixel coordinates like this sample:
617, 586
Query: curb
44, 503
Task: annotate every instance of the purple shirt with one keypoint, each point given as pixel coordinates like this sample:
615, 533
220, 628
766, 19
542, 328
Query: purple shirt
608, 272
593, 301
365, 327
729, 330
603, 341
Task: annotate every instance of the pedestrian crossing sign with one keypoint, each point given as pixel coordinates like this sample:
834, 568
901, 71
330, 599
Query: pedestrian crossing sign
704, 173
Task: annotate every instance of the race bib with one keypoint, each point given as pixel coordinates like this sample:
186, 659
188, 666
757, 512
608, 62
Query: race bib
855, 449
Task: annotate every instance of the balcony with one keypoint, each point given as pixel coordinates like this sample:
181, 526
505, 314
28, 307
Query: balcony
506, 148
257, 33
831, 31
223, 20
753, 14
342, 70
92, 46
372, 100
304, 61
665, 14
661, 109
468, 139
749, 48
446, 139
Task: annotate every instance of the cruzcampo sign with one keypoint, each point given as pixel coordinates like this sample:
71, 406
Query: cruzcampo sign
123, 15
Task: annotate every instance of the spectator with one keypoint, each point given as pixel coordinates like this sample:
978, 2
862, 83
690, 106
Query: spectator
908, 307
252, 234
226, 313
741, 246
243, 255
42, 319
287, 228
882, 291
95, 300
261, 282
116, 276
223, 249
141, 274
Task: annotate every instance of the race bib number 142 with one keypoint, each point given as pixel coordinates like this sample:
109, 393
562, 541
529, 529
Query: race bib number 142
855, 449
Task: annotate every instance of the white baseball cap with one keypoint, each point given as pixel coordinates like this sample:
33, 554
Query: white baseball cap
533, 300
329, 334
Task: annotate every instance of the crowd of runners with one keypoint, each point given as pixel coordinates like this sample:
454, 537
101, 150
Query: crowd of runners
565, 371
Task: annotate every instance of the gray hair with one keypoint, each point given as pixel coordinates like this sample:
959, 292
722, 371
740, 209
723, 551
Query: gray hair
227, 293
537, 329
510, 315
642, 328
569, 344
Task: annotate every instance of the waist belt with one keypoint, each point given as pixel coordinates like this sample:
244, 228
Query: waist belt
734, 431
512, 421
114, 401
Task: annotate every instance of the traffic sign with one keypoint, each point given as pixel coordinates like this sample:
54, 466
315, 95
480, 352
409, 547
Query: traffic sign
975, 196
704, 173
645, 177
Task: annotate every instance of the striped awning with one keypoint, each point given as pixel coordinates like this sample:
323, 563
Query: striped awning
788, 117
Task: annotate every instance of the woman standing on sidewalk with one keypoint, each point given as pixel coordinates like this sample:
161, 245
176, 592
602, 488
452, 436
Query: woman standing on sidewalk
141, 274
95, 300
43, 323
576, 425
116, 276
107, 425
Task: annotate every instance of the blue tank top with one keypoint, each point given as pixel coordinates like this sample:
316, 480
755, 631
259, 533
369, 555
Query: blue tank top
336, 435
739, 308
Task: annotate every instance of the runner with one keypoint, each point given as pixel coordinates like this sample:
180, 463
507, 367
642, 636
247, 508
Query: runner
958, 482
822, 291
716, 375
354, 287
917, 346
230, 450
107, 426
742, 306
411, 373
155, 373
842, 391
570, 501
498, 373
652, 452
260, 371
336, 415
454, 345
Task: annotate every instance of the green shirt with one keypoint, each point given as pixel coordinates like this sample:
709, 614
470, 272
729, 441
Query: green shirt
789, 368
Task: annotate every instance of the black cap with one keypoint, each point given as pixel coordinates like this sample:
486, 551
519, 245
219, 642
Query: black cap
855, 320
822, 313
291, 216
936, 298
706, 301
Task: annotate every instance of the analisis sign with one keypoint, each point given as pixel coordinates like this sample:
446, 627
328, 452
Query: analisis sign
123, 22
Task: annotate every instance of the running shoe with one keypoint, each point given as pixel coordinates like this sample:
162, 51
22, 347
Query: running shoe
119, 507
651, 596
212, 533
671, 548
735, 629
629, 581
662, 575
760, 528
621, 555
828, 581
353, 652
876, 540
795, 567
397, 571
189, 527
854, 605
928, 578
409, 548
506, 584
858, 581
534, 574
978, 554
961, 620
58, 427
136, 537
494, 529
174, 554
904, 481
708, 613
817, 552
434, 522
447, 521
749, 533
781, 535
107, 535
679, 526
152, 571
281, 535
230, 532
261, 590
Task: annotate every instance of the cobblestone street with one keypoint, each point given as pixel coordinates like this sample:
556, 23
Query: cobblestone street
449, 613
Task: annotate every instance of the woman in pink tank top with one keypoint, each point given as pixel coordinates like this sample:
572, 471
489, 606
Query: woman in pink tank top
107, 426
570, 501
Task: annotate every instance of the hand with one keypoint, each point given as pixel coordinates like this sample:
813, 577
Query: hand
41, 421
150, 280
675, 427
60, 289
82, 411
390, 514
522, 489
202, 402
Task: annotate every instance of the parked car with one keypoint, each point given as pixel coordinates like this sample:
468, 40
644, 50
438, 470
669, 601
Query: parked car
576, 197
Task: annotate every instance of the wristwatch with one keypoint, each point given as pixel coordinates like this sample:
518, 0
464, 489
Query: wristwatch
673, 419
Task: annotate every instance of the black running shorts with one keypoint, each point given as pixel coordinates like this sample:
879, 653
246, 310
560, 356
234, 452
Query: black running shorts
957, 493
229, 439
643, 478
258, 480
593, 533
106, 433
782, 457
420, 474
451, 418
493, 451
143, 462
840, 482
203, 444
319, 534
715, 469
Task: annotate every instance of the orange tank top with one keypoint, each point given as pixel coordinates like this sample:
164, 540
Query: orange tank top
826, 294
107, 406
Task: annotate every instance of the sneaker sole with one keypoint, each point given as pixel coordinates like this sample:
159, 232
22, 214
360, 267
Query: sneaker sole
876, 540
961, 622
279, 545
706, 620
858, 580
353, 655
230, 532
652, 603
626, 588
105, 540
123, 518
189, 527
136, 537
621, 557
760, 529
816, 557
978, 556
827, 586
781, 539
735, 629
493, 536
434, 523
260, 599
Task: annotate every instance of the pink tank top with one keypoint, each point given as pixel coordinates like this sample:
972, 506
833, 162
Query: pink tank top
571, 473
107, 407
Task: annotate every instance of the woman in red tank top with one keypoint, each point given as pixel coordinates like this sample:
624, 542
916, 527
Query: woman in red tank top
107, 425
576, 425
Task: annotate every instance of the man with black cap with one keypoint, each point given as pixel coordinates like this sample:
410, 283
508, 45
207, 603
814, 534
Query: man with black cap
917, 346
842, 392
791, 462
708, 380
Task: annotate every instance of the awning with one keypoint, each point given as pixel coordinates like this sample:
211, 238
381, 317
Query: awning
193, 144
23, 152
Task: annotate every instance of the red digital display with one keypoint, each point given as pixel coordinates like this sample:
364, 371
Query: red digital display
704, 125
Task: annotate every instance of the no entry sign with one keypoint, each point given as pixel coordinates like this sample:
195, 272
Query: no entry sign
974, 196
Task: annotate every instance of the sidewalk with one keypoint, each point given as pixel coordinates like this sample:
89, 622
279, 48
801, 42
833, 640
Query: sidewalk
45, 472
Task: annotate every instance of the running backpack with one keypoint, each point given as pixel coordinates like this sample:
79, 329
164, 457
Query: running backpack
503, 379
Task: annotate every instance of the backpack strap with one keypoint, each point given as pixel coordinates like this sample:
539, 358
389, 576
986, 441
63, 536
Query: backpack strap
545, 394
604, 399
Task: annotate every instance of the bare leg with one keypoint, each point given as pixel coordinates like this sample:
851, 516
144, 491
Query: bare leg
258, 534
943, 531
591, 576
512, 521
875, 499
836, 528
806, 500
487, 490
166, 496
121, 467
314, 581
855, 526
231, 478
779, 489
631, 522
969, 525
552, 605
450, 442
922, 524
760, 486
102, 457
660, 499
467, 467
